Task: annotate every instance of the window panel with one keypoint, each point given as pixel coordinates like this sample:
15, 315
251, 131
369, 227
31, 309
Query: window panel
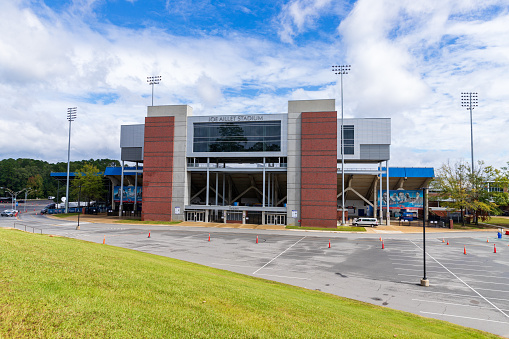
256, 136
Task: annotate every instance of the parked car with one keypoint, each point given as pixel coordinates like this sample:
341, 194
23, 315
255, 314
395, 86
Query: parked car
9, 213
365, 222
44, 210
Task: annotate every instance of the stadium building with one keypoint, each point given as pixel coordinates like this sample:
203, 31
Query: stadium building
262, 168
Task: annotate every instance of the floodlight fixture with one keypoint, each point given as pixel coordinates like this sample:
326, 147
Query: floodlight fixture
154, 80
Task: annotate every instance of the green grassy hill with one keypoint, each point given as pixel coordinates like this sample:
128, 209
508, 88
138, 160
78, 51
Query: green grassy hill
57, 287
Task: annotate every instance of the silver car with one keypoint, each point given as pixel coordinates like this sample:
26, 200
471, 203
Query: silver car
365, 222
9, 213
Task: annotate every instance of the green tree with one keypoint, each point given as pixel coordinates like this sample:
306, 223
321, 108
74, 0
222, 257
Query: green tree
459, 188
89, 181
36, 183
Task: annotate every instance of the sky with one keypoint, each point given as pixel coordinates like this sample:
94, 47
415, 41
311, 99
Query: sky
410, 61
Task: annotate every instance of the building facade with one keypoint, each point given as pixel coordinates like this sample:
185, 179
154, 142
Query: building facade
260, 168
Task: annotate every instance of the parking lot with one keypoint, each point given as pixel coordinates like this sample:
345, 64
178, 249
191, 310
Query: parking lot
468, 289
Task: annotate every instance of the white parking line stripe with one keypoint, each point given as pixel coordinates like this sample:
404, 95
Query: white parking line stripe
281, 276
459, 316
215, 263
464, 295
463, 282
483, 276
486, 282
487, 289
484, 266
279, 254
416, 264
453, 304
472, 262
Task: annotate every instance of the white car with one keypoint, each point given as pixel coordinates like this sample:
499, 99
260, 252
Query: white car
365, 222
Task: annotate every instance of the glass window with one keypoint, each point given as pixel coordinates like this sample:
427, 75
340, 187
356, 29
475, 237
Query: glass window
252, 136
348, 132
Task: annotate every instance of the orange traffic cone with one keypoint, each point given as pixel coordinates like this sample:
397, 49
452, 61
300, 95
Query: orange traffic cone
464, 250
380, 238
383, 245
487, 240
104, 240
257, 239
209, 236
494, 248
443, 239
149, 234
447, 242
329, 243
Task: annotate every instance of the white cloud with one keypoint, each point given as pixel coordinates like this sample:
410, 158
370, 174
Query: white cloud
298, 15
410, 61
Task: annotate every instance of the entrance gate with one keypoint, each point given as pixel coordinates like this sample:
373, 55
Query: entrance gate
198, 216
275, 219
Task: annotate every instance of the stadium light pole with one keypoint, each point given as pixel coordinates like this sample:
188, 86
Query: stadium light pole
153, 81
342, 69
470, 101
71, 115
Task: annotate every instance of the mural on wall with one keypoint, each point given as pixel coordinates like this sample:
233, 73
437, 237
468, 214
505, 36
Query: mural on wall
402, 199
128, 195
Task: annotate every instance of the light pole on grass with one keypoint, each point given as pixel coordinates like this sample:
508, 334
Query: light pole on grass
470, 101
79, 208
342, 69
153, 81
424, 280
71, 115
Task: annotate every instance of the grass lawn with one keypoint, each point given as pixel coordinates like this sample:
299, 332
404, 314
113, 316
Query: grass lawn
501, 221
54, 287
337, 229
64, 215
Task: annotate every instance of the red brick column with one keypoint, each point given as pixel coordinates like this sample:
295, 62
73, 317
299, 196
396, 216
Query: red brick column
319, 169
158, 168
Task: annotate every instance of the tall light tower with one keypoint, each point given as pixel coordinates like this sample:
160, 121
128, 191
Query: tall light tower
71, 115
153, 81
342, 69
470, 101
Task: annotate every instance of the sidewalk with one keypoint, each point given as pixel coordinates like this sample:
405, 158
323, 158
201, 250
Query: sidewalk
395, 228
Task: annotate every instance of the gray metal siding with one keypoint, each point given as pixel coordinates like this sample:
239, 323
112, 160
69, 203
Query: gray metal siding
131, 154
375, 152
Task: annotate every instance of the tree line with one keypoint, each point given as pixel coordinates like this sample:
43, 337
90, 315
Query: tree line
19, 174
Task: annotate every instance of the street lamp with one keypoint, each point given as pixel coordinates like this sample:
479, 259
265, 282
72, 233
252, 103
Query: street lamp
470, 101
342, 69
71, 115
153, 81
13, 195
424, 280
27, 190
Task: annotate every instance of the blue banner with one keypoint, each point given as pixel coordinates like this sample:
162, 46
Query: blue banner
402, 199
